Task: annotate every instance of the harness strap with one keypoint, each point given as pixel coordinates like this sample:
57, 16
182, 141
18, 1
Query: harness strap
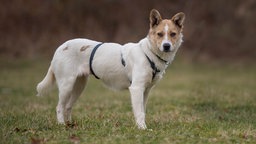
91, 59
122, 60
165, 61
154, 68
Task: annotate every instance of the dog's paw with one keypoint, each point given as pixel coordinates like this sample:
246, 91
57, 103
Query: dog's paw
61, 123
142, 126
150, 130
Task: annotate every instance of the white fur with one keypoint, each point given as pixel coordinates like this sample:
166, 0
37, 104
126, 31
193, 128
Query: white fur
166, 28
166, 40
70, 69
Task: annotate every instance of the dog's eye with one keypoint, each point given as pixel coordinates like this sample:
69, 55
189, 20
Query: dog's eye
160, 34
173, 34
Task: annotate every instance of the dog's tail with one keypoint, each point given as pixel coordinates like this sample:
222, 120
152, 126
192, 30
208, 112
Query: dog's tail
46, 85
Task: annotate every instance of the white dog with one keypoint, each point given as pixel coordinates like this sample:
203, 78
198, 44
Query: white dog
133, 66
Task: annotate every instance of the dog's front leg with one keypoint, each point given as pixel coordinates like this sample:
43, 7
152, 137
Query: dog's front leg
137, 98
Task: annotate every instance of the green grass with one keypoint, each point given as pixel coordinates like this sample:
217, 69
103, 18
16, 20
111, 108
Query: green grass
194, 103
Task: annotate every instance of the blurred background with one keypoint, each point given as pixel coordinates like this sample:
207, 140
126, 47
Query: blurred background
216, 29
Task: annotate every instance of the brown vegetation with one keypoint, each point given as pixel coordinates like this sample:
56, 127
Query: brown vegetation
213, 29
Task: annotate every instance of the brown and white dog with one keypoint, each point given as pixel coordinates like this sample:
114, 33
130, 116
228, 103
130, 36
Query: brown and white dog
133, 66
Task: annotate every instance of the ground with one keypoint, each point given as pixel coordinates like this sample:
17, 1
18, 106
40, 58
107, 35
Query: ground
194, 103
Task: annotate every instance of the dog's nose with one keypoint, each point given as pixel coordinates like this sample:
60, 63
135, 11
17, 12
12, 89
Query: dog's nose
167, 47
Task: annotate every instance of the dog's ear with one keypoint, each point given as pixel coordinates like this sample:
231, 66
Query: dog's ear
179, 19
155, 18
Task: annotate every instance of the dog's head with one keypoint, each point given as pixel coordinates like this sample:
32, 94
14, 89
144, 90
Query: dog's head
165, 35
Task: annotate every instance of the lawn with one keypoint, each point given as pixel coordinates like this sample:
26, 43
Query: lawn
194, 103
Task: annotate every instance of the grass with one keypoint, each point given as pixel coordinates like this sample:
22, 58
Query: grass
194, 103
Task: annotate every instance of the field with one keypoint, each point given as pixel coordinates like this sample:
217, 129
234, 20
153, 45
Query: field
194, 103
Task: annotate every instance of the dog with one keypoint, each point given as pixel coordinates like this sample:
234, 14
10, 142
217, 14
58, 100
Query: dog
133, 66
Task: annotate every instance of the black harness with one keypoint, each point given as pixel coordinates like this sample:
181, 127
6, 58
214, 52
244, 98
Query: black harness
91, 59
165, 61
155, 70
92, 56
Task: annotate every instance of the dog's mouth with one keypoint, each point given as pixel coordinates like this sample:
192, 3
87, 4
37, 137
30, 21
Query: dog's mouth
167, 51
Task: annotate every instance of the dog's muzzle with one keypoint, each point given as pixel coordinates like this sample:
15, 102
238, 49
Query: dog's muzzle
166, 47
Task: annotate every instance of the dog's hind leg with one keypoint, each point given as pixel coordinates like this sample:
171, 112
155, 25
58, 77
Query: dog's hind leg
76, 92
65, 86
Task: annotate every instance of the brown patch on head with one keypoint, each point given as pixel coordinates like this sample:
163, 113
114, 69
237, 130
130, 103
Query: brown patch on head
83, 48
155, 18
66, 48
165, 29
178, 19
173, 32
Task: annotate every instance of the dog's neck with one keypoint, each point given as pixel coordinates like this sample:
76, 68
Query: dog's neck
161, 59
